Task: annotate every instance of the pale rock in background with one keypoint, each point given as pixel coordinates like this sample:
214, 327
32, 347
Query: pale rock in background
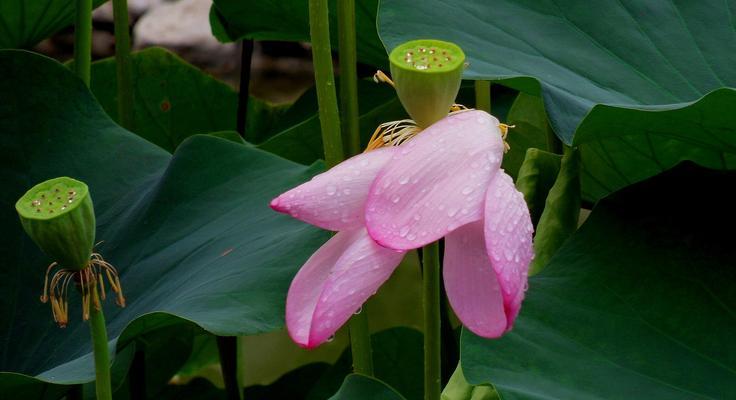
136, 8
183, 26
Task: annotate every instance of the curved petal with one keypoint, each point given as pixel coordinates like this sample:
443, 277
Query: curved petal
334, 283
335, 199
471, 283
508, 234
436, 182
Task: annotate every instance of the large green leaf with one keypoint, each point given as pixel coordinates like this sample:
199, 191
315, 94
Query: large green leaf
361, 387
191, 233
638, 304
24, 23
626, 53
175, 100
530, 127
620, 146
621, 78
289, 20
397, 361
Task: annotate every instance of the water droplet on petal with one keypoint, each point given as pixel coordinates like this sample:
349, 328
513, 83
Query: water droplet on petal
358, 311
467, 190
331, 189
404, 230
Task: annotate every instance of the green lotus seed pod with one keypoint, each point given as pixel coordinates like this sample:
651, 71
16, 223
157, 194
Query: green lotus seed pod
427, 76
58, 215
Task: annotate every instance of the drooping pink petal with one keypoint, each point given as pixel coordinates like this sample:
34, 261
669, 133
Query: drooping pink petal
334, 283
335, 199
435, 182
508, 234
471, 283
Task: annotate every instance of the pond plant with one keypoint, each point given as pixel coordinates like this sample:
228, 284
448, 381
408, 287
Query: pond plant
476, 200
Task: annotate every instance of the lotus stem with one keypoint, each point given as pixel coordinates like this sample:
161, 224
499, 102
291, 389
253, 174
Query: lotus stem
432, 323
360, 343
123, 64
229, 350
348, 75
360, 336
98, 332
319, 31
83, 40
483, 96
246, 55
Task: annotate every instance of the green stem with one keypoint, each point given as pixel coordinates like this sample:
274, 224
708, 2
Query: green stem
122, 63
360, 343
360, 336
554, 145
319, 31
229, 350
76, 392
348, 75
137, 374
83, 40
432, 335
98, 332
483, 96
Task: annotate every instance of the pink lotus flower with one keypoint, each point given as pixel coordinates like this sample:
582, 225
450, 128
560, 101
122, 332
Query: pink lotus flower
350, 267
445, 182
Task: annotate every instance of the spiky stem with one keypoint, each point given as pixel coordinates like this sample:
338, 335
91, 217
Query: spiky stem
432, 335
319, 31
83, 40
98, 332
122, 63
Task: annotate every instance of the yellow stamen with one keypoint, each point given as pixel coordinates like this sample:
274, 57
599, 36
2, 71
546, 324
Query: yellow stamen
393, 133
45, 295
380, 77
120, 300
57, 288
504, 132
458, 107
102, 285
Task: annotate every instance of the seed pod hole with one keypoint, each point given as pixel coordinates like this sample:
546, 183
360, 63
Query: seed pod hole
422, 62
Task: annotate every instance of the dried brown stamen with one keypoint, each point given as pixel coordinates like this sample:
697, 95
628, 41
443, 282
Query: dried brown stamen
57, 289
